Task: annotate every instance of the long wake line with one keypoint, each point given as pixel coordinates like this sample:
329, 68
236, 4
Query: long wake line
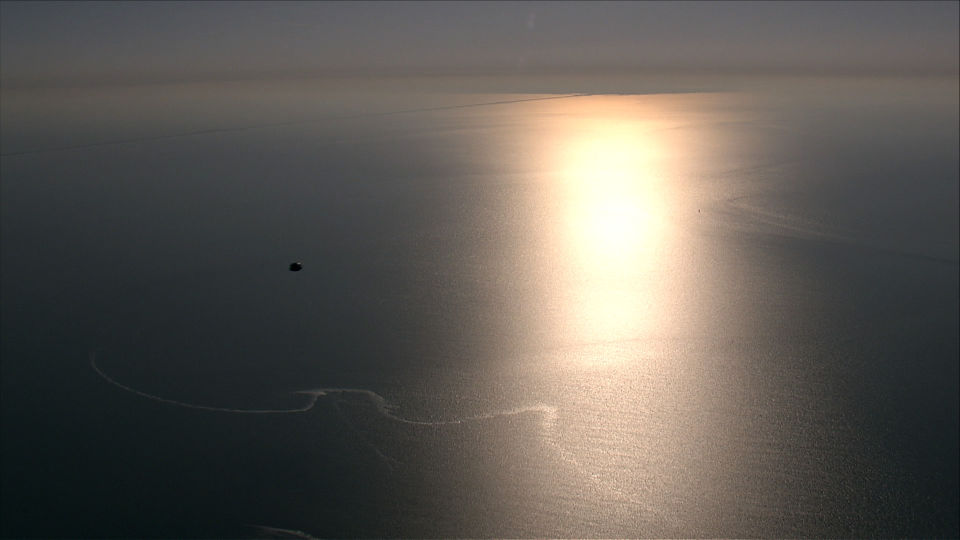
548, 427
282, 533
93, 364
381, 404
276, 124
808, 230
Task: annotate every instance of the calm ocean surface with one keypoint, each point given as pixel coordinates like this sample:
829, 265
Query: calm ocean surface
711, 313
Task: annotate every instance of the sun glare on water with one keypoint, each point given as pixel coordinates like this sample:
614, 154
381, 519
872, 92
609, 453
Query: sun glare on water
614, 205
615, 215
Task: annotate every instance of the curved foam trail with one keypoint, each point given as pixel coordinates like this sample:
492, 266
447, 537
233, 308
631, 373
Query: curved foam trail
547, 425
283, 533
381, 404
786, 224
307, 407
549, 412
803, 229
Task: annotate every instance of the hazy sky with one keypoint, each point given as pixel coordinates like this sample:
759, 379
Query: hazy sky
64, 41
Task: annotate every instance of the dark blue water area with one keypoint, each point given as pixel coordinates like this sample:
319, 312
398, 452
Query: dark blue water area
885, 345
201, 308
819, 370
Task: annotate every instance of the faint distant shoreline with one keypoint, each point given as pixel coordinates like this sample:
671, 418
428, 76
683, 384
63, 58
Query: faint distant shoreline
505, 76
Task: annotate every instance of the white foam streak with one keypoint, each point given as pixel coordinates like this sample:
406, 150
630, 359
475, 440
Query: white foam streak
381, 404
93, 363
383, 407
277, 532
548, 427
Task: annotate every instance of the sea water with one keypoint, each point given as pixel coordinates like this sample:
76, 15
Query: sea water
548, 311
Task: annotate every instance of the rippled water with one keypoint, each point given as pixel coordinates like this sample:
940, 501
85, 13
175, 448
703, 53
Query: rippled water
666, 315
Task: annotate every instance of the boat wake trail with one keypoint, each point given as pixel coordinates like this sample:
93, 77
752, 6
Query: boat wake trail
93, 364
548, 429
386, 410
380, 404
750, 214
277, 532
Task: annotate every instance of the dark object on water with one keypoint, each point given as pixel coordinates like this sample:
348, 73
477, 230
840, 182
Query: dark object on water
296, 267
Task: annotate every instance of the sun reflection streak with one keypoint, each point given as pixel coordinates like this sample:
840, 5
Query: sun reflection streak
614, 212
615, 207
636, 290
